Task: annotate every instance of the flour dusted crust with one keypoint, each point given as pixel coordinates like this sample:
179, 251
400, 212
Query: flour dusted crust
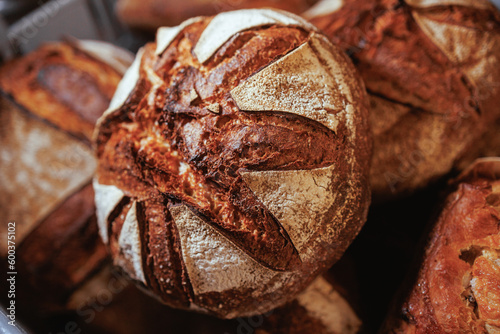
319, 309
165, 35
433, 95
41, 152
245, 190
225, 25
481, 4
457, 289
300, 200
478, 58
215, 265
316, 78
125, 87
37, 157
130, 256
322, 302
108, 198
38, 161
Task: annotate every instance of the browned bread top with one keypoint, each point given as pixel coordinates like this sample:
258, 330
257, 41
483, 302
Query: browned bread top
457, 289
233, 161
431, 69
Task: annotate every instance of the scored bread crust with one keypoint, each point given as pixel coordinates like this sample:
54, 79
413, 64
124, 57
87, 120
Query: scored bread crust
431, 69
457, 289
233, 161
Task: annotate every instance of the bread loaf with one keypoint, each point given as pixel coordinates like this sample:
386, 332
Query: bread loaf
432, 72
152, 14
50, 101
233, 162
320, 309
457, 289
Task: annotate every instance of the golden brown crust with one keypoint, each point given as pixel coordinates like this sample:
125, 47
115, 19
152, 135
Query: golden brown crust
152, 14
248, 131
457, 289
61, 84
38, 164
430, 72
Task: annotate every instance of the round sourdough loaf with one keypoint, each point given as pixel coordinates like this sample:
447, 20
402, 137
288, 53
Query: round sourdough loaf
432, 71
233, 162
50, 100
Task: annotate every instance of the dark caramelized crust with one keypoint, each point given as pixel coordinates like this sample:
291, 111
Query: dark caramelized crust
457, 289
165, 270
213, 147
189, 149
63, 85
431, 87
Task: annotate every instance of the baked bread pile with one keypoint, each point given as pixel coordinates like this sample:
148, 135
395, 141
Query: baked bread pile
233, 167
432, 71
233, 162
50, 102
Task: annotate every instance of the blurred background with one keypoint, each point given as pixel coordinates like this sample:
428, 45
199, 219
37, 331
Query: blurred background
24, 24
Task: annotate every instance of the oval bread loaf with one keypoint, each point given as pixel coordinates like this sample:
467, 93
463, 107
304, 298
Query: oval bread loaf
457, 289
233, 162
50, 100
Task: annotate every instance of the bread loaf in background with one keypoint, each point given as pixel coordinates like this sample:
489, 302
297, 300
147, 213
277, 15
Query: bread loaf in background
320, 309
233, 162
457, 288
50, 101
152, 14
432, 72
